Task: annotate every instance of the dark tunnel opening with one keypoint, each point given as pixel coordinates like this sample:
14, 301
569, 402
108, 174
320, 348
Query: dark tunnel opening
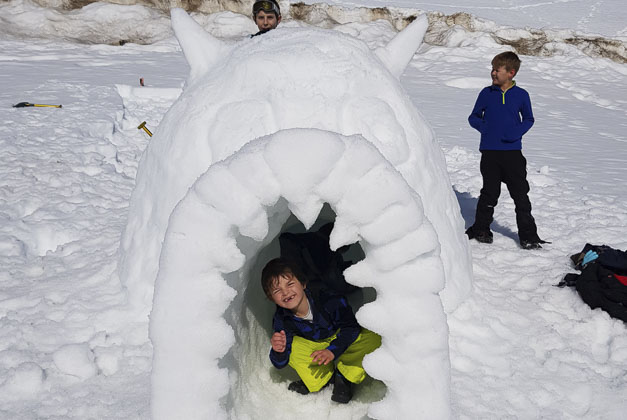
250, 370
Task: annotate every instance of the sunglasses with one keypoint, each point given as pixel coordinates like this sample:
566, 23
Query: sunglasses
266, 6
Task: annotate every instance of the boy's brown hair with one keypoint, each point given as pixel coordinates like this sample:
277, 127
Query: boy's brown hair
279, 267
508, 59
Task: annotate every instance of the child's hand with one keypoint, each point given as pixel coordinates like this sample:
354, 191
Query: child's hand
278, 341
322, 357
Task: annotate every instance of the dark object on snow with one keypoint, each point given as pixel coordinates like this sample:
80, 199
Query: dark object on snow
603, 281
342, 389
611, 258
485, 236
298, 386
311, 252
25, 104
532, 244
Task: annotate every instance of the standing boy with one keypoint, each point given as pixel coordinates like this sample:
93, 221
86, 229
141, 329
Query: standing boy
502, 114
316, 334
267, 15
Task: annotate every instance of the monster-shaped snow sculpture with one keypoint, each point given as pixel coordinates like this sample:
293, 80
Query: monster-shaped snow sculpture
278, 125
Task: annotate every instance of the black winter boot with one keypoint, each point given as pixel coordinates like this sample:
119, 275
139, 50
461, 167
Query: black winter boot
532, 243
301, 388
298, 386
342, 389
485, 237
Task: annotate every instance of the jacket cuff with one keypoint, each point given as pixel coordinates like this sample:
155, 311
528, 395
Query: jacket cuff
279, 360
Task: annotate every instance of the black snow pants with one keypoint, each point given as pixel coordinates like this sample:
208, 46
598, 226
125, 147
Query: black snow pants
509, 167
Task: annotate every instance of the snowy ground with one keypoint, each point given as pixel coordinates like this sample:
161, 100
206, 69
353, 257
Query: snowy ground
520, 348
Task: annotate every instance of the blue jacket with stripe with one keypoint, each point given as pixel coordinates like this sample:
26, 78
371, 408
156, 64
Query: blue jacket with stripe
331, 314
502, 118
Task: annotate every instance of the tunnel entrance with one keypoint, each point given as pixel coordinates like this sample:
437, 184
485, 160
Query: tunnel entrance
252, 376
210, 322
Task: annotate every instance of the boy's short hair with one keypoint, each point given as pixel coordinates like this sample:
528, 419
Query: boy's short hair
508, 59
267, 6
280, 267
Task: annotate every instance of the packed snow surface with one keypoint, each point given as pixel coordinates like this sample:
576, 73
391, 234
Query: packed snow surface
519, 347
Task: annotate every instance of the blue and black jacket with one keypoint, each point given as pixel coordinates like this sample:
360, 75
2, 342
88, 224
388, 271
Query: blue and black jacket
502, 118
331, 314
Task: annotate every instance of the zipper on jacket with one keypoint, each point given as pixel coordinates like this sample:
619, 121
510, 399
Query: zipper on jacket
503, 91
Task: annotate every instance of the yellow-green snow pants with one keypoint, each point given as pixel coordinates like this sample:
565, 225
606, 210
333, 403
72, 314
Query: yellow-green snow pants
349, 363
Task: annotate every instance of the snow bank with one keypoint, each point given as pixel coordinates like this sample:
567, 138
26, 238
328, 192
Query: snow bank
142, 22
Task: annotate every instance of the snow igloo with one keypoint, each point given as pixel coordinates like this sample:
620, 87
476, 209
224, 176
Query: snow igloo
280, 132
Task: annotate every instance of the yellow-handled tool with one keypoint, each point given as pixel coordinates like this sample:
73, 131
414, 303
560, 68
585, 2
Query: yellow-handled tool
25, 104
142, 126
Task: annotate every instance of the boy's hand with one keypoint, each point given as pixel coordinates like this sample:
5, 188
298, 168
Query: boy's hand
322, 357
278, 341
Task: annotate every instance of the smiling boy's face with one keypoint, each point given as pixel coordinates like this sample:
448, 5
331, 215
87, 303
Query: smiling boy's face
289, 293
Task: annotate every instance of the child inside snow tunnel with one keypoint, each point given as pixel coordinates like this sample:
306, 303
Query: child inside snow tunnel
315, 332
